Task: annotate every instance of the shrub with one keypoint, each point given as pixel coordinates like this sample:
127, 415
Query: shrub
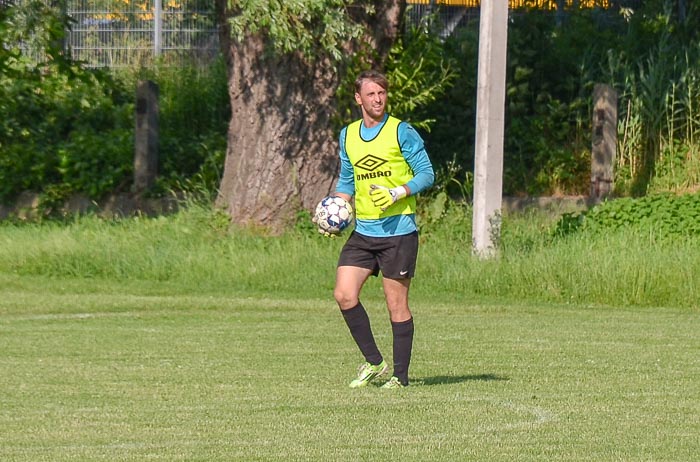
661, 215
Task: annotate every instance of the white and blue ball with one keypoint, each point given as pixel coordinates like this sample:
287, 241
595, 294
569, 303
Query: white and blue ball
333, 214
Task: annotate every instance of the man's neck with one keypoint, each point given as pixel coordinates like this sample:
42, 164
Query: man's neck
370, 122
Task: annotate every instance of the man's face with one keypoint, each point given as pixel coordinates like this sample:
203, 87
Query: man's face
372, 98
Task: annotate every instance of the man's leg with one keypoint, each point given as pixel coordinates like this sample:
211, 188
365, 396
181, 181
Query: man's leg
396, 293
348, 284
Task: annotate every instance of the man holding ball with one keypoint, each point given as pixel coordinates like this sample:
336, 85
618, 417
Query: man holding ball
384, 164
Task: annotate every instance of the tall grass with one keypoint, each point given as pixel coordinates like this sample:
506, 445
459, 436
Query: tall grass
195, 252
659, 124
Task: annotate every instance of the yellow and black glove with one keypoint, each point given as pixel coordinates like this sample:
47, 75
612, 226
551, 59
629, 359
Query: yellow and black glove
384, 197
321, 231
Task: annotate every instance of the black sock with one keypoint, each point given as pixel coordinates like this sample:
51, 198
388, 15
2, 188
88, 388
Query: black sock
358, 322
403, 345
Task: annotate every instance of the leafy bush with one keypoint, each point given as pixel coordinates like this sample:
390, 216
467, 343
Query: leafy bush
419, 74
64, 129
60, 124
550, 74
662, 215
554, 61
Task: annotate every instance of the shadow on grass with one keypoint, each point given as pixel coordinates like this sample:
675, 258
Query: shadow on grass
450, 379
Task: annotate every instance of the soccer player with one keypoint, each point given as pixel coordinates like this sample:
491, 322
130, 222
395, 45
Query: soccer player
384, 164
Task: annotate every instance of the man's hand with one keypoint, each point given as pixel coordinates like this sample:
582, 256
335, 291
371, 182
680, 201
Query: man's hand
321, 231
325, 233
384, 197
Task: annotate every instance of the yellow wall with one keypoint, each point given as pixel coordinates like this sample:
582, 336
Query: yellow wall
551, 4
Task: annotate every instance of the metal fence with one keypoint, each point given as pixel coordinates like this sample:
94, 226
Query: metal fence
119, 33
450, 15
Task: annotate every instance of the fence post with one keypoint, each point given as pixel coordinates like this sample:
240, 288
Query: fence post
157, 28
604, 139
146, 136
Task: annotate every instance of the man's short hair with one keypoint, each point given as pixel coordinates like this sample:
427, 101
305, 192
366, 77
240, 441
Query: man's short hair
372, 76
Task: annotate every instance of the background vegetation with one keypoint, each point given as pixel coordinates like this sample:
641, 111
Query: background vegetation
622, 253
645, 54
66, 129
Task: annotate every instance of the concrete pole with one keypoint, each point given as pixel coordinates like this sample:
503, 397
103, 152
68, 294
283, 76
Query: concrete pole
490, 109
157, 27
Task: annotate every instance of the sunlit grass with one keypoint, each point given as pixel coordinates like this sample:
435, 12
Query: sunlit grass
177, 338
101, 371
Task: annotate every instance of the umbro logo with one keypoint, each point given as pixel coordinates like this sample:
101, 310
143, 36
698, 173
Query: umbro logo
370, 163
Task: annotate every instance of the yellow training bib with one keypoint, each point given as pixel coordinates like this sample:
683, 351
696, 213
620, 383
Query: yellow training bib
378, 161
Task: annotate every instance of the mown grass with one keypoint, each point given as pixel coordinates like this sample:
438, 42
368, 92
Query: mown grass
177, 339
106, 374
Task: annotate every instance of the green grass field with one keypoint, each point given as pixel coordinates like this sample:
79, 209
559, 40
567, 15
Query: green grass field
176, 339
102, 371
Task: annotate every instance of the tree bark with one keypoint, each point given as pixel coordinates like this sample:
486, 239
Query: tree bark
282, 153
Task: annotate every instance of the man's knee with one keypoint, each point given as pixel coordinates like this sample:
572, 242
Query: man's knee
344, 298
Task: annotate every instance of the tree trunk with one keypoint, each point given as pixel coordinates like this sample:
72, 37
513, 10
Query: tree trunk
282, 153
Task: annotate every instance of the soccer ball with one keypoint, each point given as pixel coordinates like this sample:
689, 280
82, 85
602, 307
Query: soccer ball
333, 215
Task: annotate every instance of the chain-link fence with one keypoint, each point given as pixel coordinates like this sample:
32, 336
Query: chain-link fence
120, 33
117, 33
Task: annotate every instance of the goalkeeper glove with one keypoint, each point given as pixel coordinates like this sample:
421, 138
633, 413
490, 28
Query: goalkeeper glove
325, 233
321, 231
384, 197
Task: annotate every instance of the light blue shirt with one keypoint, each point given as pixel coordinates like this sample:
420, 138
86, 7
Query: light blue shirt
413, 150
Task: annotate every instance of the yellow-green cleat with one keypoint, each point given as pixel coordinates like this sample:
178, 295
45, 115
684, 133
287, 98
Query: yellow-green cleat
393, 383
367, 373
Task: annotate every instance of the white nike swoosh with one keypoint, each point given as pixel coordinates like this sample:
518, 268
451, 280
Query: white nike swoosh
403, 273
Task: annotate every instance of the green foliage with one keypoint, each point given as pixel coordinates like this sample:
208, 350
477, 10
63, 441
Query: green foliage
312, 27
69, 129
654, 67
60, 129
450, 141
40, 27
444, 207
547, 128
419, 75
418, 72
661, 215
59, 124
649, 56
549, 87
98, 163
677, 169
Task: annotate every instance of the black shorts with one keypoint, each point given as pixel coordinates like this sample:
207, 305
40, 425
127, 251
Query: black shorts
395, 256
